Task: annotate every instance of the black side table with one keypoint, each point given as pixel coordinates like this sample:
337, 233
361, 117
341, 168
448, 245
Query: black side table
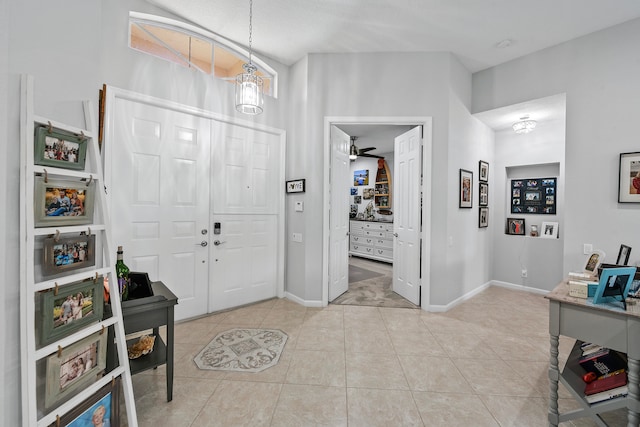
151, 313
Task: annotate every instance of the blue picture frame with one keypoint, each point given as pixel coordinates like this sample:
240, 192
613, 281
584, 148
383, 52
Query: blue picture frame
614, 285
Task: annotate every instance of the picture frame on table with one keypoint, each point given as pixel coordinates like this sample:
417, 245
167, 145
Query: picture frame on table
483, 171
623, 255
60, 202
629, 178
483, 198
60, 149
466, 189
515, 226
614, 285
483, 217
101, 408
66, 253
69, 308
74, 367
593, 262
549, 230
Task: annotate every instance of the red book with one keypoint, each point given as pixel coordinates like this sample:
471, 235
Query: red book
606, 383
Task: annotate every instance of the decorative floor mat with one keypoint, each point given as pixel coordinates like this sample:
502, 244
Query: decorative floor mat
242, 350
357, 274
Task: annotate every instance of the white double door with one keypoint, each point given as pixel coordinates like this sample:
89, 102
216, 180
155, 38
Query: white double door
177, 179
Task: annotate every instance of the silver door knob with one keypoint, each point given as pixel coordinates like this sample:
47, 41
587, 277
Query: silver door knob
217, 242
395, 234
203, 243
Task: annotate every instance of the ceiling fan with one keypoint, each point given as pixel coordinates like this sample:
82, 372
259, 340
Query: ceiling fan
355, 152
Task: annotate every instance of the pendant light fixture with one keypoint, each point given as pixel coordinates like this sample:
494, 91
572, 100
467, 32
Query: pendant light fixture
525, 125
353, 151
249, 86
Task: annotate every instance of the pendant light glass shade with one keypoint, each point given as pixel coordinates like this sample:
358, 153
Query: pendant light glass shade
249, 90
525, 125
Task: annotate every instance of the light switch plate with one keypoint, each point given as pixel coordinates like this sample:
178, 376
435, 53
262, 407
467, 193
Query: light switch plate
299, 206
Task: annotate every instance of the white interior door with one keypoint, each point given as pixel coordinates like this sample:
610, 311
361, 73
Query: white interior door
159, 172
246, 190
406, 214
339, 219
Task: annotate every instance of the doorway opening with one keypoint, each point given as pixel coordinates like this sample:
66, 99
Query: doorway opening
368, 275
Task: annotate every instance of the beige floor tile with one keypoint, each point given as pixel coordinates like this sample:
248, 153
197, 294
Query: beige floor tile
433, 374
330, 319
466, 346
356, 317
283, 319
381, 408
364, 340
421, 342
274, 374
317, 368
453, 409
239, 403
194, 333
513, 411
494, 377
246, 317
382, 371
516, 347
306, 405
315, 338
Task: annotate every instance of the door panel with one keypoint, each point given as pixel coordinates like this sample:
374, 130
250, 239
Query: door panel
160, 167
339, 214
406, 215
245, 192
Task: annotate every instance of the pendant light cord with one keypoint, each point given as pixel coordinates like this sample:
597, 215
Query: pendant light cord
250, 28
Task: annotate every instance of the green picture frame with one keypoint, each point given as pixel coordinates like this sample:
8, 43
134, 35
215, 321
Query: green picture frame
60, 149
71, 308
51, 207
64, 376
66, 253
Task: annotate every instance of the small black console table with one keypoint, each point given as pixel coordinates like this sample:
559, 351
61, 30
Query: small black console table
151, 312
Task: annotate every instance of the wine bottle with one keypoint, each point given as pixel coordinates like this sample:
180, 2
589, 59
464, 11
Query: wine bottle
122, 272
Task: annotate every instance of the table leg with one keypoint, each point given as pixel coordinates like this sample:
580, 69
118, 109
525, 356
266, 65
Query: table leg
554, 376
170, 354
633, 373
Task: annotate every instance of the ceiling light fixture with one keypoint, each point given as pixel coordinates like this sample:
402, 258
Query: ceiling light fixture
249, 86
525, 125
353, 151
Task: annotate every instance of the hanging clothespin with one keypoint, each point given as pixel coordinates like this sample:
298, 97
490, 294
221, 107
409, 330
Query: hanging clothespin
95, 279
57, 420
82, 136
55, 289
113, 381
46, 176
102, 330
59, 351
88, 231
56, 238
49, 127
90, 179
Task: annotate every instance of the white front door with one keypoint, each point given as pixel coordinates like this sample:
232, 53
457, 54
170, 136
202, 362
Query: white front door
406, 214
339, 219
246, 192
159, 172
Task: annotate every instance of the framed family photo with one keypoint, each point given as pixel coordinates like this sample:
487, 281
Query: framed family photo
361, 177
483, 169
483, 217
67, 253
59, 148
629, 178
70, 308
101, 409
466, 186
74, 367
549, 230
484, 194
63, 202
515, 226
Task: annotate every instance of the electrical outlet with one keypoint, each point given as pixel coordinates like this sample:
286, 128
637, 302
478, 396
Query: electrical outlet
524, 272
587, 248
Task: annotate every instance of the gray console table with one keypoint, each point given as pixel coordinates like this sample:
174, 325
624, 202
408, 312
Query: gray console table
598, 323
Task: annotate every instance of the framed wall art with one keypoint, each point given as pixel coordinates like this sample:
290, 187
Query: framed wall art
549, 230
58, 148
466, 186
69, 308
66, 253
101, 409
623, 255
515, 226
483, 198
629, 178
60, 202
361, 177
483, 171
296, 186
483, 217
534, 196
74, 367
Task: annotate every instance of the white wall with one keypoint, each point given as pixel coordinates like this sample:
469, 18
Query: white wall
599, 74
8, 354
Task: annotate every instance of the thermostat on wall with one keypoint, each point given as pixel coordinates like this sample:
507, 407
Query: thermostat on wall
299, 206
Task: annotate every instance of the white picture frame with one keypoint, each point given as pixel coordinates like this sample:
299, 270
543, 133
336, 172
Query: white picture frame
549, 230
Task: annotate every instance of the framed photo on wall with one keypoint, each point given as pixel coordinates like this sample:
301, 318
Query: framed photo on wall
361, 177
101, 409
534, 196
483, 217
629, 178
484, 194
466, 187
67, 253
483, 173
63, 202
60, 149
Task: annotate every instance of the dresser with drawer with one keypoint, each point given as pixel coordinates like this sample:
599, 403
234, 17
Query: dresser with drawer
371, 239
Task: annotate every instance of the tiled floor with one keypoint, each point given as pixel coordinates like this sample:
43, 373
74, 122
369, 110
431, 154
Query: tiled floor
483, 363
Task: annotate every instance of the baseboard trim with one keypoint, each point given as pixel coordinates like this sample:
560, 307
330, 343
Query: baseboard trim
515, 287
305, 303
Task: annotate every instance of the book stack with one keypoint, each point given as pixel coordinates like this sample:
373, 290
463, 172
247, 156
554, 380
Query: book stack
582, 285
606, 372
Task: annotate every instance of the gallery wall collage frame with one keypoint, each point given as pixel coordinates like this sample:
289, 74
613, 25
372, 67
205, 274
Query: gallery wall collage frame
534, 196
483, 194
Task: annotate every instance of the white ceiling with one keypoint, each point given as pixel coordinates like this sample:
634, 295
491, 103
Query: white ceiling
286, 30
